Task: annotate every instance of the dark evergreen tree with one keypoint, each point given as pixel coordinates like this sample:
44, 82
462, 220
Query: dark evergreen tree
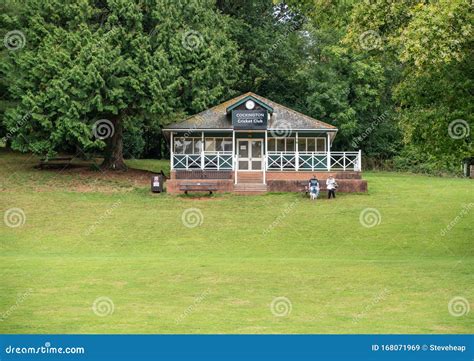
92, 67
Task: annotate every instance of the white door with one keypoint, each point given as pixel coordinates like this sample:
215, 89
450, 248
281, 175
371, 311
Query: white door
250, 152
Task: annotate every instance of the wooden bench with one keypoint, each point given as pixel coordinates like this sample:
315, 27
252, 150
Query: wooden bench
197, 187
56, 162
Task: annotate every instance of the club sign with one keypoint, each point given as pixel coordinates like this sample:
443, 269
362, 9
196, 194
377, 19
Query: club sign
249, 119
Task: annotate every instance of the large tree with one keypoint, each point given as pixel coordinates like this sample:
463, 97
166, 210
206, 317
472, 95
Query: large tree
435, 95
7, 23
427, 48
268, 35
92, 67
344, 87
376, 69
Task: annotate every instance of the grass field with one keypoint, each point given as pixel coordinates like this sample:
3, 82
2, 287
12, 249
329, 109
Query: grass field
98, 253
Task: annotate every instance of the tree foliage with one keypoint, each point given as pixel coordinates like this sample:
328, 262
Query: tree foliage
394, 76
430, 43
111, 64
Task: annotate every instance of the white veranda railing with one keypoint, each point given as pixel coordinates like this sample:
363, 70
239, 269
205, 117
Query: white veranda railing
206, 160
314, 161
296, 161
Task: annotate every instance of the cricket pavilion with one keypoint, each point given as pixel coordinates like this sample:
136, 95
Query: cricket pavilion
251, 145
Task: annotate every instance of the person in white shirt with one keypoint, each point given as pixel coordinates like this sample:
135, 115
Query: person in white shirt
331, 186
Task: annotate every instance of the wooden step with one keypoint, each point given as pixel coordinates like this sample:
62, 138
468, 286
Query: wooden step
250, 188
250, 177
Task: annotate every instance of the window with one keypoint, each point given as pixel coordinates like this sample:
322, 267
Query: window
305, 144
290, 144
218, 144
210, 145
271, 144
187, 145
302, 144
311, 144
320, 144
227, 144
178, 145
197, 146
281, 144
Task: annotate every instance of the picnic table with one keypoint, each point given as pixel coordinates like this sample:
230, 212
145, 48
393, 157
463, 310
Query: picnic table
55, 162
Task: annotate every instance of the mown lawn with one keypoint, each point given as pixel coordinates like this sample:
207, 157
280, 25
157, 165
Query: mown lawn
110, 242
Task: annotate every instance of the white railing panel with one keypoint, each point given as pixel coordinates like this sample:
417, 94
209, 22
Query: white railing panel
345, 161
206, 160
314, 161
281, 161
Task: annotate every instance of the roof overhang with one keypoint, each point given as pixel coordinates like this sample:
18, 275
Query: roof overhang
334, 130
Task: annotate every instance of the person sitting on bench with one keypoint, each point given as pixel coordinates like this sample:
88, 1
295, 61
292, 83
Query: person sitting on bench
313, 188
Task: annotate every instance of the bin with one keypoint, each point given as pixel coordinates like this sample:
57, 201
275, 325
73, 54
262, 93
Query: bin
468, 164
157, 183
